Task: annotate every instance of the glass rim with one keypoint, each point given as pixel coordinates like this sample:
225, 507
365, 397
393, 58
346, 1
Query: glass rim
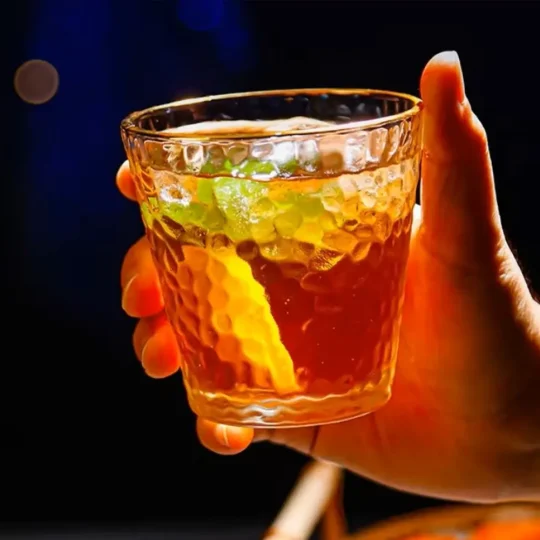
130, 127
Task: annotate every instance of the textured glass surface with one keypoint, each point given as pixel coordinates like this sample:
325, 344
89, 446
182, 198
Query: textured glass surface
280, 225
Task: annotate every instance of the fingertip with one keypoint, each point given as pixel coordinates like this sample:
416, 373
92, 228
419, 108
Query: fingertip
138, 260
145, 329
442, 81
141, 296
444, 58
141, 289
125, 183
460, 214
160, 356
451, 131
221, 439
235, 438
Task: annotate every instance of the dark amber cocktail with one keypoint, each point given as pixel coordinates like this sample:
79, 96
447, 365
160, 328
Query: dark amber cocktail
280, 226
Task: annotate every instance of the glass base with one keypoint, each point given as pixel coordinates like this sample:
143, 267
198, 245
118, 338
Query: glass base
298, 411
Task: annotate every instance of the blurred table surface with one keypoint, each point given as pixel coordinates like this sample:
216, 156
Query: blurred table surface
202, 532
181, 531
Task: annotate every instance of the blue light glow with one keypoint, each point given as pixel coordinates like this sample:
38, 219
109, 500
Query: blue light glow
201, 15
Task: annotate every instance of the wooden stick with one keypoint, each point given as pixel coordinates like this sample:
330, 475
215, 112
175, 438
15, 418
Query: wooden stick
304, 507
334, 522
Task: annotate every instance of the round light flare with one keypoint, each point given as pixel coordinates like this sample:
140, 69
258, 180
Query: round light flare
36, 82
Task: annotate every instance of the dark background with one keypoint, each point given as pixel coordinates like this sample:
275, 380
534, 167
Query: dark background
85, 436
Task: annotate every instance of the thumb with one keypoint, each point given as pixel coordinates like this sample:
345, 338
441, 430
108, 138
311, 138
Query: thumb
461, 222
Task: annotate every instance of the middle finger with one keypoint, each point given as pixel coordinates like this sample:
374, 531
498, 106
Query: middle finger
141, 291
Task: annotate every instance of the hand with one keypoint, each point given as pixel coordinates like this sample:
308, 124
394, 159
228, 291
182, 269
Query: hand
464, 418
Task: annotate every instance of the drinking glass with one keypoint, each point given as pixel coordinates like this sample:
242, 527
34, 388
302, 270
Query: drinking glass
279, 223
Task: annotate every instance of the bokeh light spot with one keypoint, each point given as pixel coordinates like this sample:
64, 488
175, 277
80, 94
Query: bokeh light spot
36, 81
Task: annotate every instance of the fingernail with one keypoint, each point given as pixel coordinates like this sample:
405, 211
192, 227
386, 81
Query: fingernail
443, 84
143, 353
451, 57
222, 436
126, 293
144, 348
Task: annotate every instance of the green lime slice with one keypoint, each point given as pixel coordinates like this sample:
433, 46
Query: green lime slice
226, 203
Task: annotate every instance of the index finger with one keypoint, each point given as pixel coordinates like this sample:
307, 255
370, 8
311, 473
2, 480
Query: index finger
125, 183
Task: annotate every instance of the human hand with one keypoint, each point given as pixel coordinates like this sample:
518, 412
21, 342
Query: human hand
464, 418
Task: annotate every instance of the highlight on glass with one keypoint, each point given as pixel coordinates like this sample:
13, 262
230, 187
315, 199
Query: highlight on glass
280, 223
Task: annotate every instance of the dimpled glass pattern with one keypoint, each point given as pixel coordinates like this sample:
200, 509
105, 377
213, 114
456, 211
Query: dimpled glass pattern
281, 246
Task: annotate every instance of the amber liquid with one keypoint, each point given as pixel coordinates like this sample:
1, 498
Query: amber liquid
337, 310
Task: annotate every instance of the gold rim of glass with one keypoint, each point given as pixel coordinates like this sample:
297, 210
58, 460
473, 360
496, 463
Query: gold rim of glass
130, 123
